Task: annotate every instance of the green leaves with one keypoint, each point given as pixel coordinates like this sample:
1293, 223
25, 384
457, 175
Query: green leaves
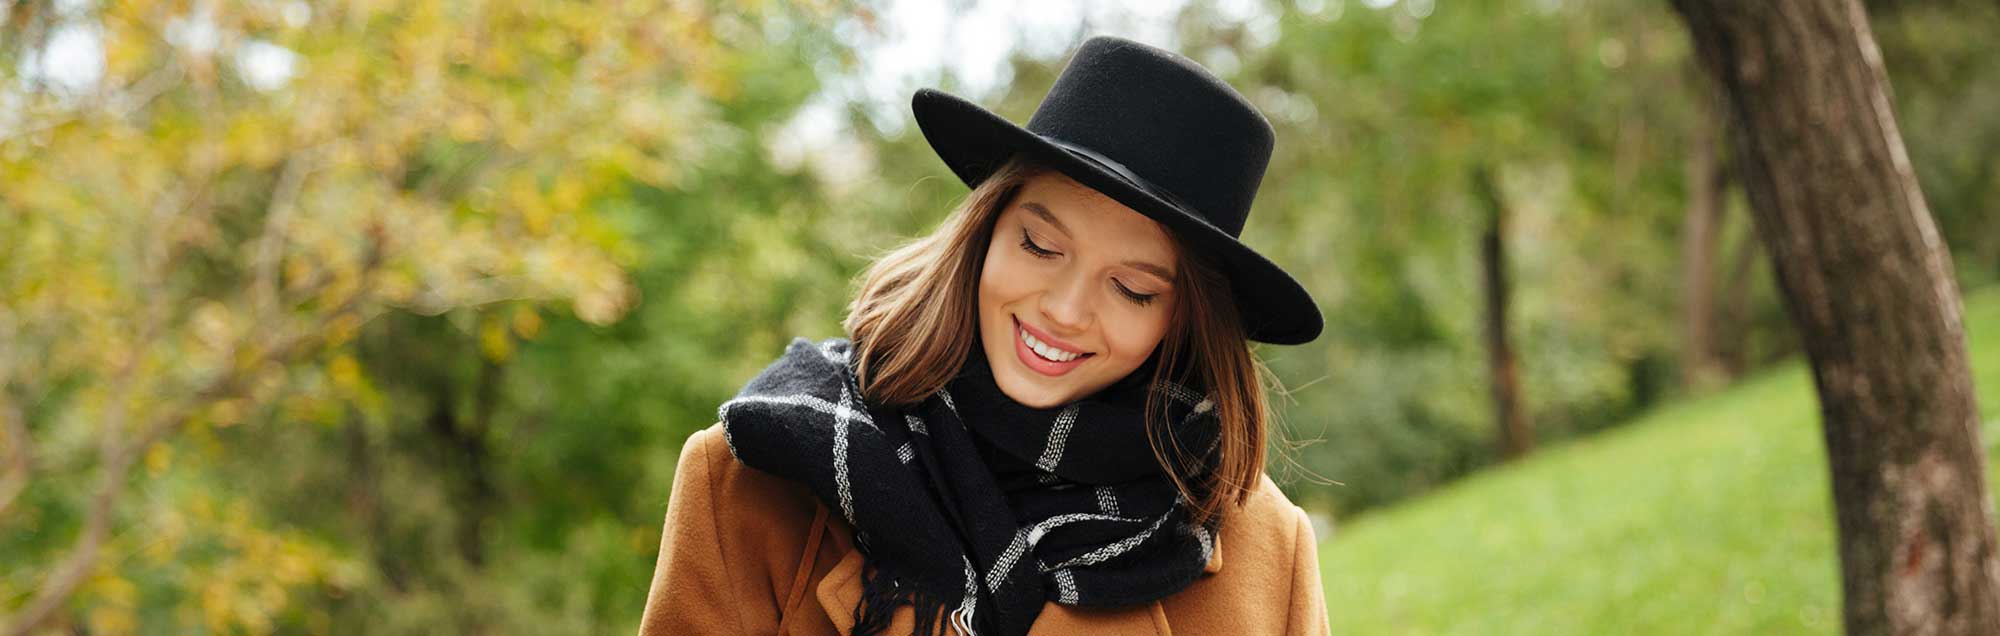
193, 246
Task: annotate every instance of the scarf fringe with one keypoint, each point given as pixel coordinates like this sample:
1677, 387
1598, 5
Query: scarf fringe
883, 591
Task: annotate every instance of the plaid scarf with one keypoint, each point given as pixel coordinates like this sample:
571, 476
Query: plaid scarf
972, 500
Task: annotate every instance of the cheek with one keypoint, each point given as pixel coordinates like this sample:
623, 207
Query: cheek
1139, 332
1003, 278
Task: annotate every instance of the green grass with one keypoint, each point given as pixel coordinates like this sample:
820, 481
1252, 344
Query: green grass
1710, 516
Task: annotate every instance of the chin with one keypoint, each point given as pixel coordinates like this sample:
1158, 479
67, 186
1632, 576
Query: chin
1031, 396
1027, 387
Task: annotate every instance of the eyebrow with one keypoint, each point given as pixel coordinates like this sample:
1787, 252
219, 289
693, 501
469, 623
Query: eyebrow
1143, 266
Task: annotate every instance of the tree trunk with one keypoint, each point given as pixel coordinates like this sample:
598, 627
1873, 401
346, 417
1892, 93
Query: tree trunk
1517, 435
1869, 284
1735, 354
1707, 179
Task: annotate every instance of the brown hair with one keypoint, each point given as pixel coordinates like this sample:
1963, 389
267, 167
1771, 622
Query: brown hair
918, 303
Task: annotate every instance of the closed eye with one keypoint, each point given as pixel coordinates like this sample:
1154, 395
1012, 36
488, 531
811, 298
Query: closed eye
1029, 245
1141, 299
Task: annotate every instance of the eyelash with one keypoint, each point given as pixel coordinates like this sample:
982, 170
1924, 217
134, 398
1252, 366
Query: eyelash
1037, 250
1029, 244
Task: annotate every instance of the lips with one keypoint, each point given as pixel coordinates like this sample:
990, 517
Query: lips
1033, 356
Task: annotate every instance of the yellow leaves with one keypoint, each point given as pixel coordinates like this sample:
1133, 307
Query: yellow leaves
159, 459
462, 47
256, 141
533, 114
384, 157
128, 51
213, 325
114, 589
469, 125
527, 323
226, 413
112, 619
568, 193
313, 409
605, 300
526, 200
342, 329
344, 372
115, 611
494, 341
822, 8
499, 61
716, 83
166, 532
248, 570
416, 48
347, 383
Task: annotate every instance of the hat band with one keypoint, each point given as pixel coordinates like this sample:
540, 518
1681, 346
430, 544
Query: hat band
1118, 168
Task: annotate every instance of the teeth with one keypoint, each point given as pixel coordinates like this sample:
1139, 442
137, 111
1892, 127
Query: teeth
1051, 353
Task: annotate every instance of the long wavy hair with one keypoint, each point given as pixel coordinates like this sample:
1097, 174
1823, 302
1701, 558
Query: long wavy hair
917, 309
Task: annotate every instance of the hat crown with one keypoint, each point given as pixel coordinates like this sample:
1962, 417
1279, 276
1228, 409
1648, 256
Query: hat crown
1161, 118
1156, 132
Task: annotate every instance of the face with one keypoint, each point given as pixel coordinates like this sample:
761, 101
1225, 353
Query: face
1076, 292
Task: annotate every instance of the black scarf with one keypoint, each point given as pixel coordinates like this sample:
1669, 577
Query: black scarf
973, 500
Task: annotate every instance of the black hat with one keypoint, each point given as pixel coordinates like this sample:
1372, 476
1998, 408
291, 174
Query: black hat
1157, 132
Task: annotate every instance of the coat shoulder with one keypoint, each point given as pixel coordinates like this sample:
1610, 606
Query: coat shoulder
763, 529
1266, 518
733, 482
751, 504
1268, 509
1266, 543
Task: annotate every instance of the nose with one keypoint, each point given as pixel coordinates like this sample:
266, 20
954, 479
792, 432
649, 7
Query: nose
1066, 304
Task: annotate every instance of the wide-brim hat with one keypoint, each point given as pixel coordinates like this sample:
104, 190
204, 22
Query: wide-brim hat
1157, 132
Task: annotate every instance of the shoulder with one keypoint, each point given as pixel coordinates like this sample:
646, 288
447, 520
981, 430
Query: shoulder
1263, 544
1267, 531
737, 491
1266, 513
731, 532
757, 516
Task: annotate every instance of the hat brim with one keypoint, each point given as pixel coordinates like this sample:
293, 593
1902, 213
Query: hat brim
974, 142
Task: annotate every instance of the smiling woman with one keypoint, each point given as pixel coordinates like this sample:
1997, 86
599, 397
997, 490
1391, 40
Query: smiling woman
1063, 310
1067, 307
1046, 418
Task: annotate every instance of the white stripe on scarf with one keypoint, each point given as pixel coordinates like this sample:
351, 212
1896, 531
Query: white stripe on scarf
1052, 454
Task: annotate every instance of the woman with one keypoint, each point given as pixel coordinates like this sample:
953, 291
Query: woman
1048, 419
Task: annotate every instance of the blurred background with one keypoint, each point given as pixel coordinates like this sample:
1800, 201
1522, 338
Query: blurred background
390, 317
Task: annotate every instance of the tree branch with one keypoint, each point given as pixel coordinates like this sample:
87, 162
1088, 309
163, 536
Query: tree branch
118, 458
277, 221
20, 456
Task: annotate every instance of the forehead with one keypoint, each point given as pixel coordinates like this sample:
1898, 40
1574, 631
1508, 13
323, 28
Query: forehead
1093, 218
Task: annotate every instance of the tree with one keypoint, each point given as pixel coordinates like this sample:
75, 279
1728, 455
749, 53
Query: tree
1869, 283
202, 214
1515, 432
1383, 112
1708, 183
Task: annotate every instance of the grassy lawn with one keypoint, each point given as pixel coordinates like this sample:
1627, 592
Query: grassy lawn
1711, 516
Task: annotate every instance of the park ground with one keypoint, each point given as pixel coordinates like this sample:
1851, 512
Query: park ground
1706, 516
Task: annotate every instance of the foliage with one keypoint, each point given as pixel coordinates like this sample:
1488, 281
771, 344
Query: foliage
1709, 516
1385, 116
363, 317
1585, 112
208, 238
1947, 89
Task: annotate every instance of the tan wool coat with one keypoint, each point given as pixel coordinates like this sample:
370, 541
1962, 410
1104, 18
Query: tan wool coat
745, 552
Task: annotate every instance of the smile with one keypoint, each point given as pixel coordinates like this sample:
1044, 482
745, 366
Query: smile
1038, 354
